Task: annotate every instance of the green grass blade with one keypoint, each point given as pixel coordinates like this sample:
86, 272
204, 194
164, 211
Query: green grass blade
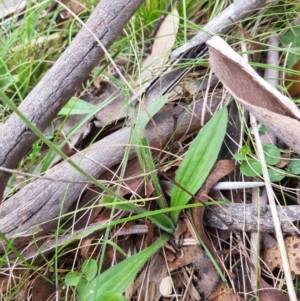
199, 160
117, 278
77, 106
147, 114
160, 220
153, 174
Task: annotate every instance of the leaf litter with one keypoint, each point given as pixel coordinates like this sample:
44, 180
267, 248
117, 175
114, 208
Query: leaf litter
188, 260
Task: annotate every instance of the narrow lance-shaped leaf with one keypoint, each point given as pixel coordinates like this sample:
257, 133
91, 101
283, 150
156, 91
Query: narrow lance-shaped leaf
199, 160
160, 220
117, 278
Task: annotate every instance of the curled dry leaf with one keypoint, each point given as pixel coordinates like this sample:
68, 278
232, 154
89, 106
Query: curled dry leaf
163, 43
223, 293
220, 170
193, 254
267, 104
268, 293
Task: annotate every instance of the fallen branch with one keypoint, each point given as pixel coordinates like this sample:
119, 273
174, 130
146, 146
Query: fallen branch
241, 217
42, 200
222, 23
61, 81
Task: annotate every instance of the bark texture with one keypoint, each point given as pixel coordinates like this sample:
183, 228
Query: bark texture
42, 200
222, 23
241, 217
60, 83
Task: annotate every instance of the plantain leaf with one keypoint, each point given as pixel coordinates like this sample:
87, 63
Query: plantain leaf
199, 160
117, 278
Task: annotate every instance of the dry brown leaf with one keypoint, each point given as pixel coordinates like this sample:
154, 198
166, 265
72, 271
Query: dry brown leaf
84, 217
221, 169
91, 198
163, 43
208, 276
266, 103
84, 248
42, 289
284, 160
148, 282
13, 278
76, 7
273, 260
268, 293
222, 293
133, 182
115, 109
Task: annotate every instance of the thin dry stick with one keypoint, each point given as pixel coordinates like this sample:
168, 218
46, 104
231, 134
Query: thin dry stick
255, 236
276, 221
271, 76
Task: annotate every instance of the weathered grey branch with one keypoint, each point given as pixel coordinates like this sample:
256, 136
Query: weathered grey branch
61, 81
245, 217
59, 84
238, 216
42, 200
222, 23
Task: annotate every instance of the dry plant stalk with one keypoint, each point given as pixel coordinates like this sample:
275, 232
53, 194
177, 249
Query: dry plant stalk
270, 107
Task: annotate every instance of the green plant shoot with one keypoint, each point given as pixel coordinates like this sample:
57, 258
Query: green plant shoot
199, 160
114, 281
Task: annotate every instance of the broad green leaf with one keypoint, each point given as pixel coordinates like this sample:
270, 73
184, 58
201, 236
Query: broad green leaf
82, 286
117, 278
263, 129
76, 106
276, 174
73, 278
239, 157
160, 220
89, 269
251, 168
110, 296
272, 153
199, 160
294, 167
291, 36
